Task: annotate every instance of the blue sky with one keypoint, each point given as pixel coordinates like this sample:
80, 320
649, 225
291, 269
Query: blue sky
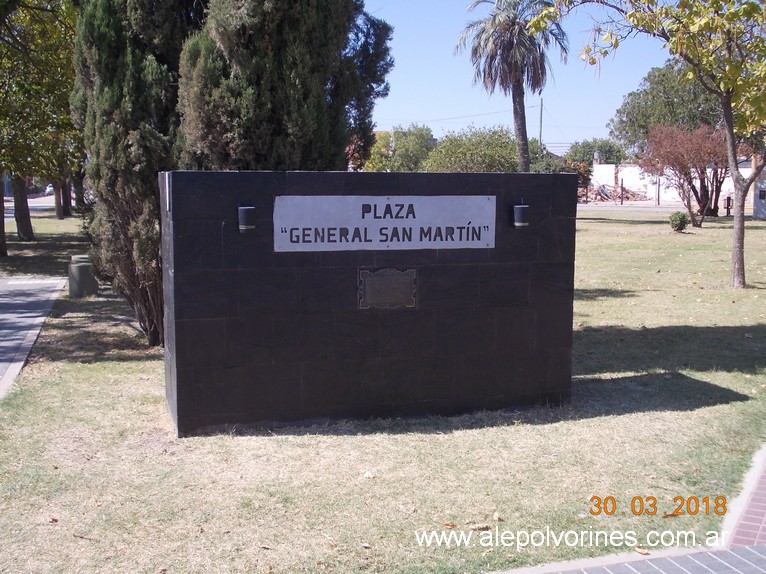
431, 85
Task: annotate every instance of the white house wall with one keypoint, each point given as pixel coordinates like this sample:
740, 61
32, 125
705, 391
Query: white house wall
635, 179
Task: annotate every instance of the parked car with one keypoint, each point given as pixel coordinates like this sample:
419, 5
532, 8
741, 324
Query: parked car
49, 189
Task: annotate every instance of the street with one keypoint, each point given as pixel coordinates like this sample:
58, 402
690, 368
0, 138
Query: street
35, 204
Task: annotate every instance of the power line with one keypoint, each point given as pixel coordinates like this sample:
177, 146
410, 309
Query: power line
529, 107
470, 116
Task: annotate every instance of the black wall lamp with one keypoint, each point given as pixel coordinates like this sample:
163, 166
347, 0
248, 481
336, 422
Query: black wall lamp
521, 215
246, 219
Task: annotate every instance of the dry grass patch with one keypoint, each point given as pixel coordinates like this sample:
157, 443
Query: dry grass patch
668, 400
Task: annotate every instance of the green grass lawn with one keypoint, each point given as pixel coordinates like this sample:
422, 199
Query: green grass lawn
669, 400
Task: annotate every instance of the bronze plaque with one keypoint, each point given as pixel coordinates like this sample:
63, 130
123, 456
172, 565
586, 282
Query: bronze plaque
387, 289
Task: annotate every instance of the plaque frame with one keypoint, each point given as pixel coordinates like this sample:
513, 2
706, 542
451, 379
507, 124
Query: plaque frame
387, 289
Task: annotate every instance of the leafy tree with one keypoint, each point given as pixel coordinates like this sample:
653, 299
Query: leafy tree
401, 149
724, 44
546, 162
507, 56
487, 150
666, 97
368, 53
282, 85
584, 173
36, 132
474, 150
381, 154
584, 151
6, 7
696, 163
126, 57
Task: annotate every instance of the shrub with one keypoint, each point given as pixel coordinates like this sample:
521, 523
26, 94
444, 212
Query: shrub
679, 220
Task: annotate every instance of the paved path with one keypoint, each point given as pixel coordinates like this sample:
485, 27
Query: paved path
24, 304
740, 560
743, 551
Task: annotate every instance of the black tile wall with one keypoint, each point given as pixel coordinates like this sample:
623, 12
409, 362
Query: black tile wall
258, 337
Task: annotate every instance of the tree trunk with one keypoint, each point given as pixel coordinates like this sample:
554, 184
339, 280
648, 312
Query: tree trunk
719, 177
740, 194
520, 125
703, 200
21, 210
738, 244
78, 178
58, 204
3, 244
66, 198
687, 198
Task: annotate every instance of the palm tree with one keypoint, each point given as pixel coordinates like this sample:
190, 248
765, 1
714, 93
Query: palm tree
506, 55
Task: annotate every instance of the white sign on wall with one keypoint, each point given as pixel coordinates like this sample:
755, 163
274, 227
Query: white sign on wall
363, 223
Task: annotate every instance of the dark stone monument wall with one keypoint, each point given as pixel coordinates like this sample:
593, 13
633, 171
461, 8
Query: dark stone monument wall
255, 336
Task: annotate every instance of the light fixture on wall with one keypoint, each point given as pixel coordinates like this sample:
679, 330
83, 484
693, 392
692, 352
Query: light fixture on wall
521, 215
246, 219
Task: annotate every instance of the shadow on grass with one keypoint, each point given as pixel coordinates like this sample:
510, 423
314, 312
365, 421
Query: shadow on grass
595, 294
103, 328
91, 330
647, 393
591, 398
657, 354
599, 350
48, 256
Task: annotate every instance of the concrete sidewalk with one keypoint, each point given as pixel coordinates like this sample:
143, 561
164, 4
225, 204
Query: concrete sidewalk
24, 305
740, 560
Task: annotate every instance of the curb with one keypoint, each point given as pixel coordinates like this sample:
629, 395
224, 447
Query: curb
33, 331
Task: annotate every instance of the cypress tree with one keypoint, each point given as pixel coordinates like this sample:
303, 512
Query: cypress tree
281, 85
125, 100
265, 85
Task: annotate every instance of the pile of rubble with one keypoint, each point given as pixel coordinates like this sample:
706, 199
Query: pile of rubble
608, 193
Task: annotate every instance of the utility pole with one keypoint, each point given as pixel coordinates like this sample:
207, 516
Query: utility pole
540, 139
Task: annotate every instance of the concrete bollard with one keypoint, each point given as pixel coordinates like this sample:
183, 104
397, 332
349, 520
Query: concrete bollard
82, 281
